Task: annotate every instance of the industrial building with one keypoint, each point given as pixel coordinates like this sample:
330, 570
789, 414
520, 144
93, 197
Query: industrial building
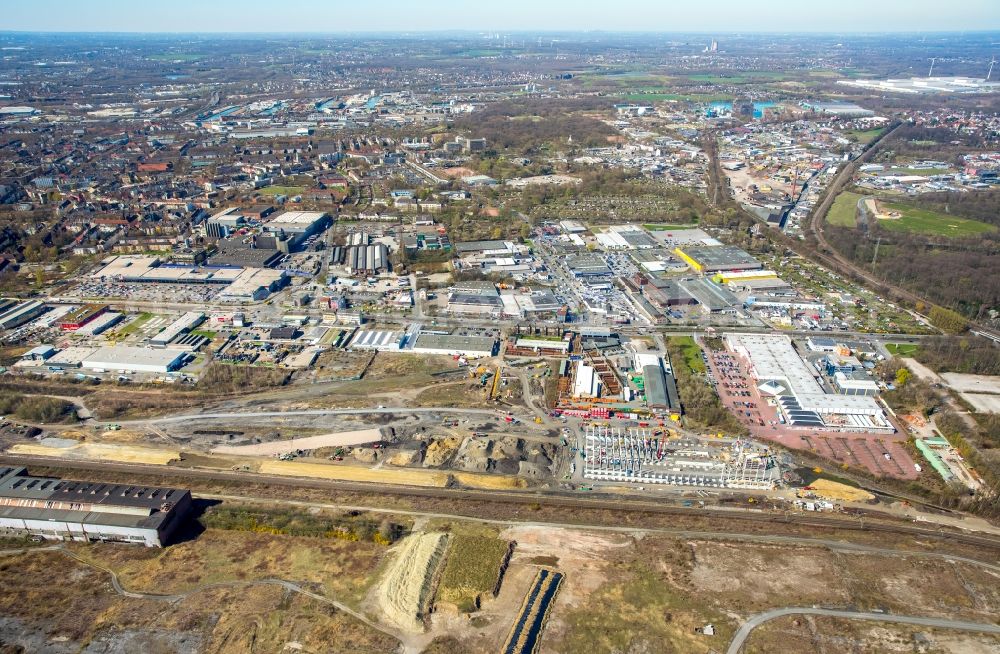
56, 509
122, 358
237, 284
587, 265
101, 324
451, 345
80, 316
474, 298
719, 258
919, 85
368, 259
854, 382
586, 382
797, 392
13, 315
382, 341
182, 325
298, 225
712, 297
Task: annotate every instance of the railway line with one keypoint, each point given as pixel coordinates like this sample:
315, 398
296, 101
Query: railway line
869, 522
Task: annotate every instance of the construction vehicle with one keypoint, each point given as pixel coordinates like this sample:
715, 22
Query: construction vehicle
538, 420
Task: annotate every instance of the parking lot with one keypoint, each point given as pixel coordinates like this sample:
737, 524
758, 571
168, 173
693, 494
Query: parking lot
191, 293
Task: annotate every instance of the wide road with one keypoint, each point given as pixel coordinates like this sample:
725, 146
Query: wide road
940, 623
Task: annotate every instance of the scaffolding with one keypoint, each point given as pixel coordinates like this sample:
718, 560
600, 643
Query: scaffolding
750, 467
651, 456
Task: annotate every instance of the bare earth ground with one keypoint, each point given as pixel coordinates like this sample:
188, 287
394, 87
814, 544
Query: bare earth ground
824, 635
623, 592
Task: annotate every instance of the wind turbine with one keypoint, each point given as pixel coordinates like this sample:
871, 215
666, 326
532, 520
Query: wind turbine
990, 72
931, 72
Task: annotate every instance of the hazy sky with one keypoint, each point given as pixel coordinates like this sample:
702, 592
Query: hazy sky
400, 15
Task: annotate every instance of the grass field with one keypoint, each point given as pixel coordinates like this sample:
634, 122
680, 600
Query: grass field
740, 78
902, 349
843, 213
692, 353
926, 172
654, 96
282, 190
864, 136
924, 221
472, 570
175, 56
134, 326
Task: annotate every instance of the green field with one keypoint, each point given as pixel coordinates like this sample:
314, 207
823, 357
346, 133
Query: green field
134, 326
472, 570
175, 56
924, 221
844, 211
692, 353
902, 349
660, 227
864, 136
926, 172
651, 96
740, 78
282, 190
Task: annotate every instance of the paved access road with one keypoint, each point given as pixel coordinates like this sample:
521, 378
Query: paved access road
744, 631
312, 412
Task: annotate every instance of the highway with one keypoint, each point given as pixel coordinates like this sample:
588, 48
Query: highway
939, 623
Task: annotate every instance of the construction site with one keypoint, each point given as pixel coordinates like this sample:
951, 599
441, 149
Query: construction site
629, 386
655, 456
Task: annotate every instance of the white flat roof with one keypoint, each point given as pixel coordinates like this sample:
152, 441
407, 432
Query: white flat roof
297, 218
123, 356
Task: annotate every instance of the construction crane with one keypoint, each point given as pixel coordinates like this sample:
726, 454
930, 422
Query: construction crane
496, 383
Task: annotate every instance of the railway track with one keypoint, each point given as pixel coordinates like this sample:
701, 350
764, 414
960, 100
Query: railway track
869, 522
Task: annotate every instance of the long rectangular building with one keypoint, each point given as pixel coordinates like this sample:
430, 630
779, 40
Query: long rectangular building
469, 346
122, 358
16, 315
780, 372
182, 325
56, 509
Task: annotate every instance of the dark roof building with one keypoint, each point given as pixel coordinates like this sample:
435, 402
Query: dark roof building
57, 509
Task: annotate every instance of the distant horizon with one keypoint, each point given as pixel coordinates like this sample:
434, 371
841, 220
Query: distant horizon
512, 16
518, 31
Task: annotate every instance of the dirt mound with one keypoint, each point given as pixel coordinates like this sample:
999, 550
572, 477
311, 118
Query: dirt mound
441, 450
408, 585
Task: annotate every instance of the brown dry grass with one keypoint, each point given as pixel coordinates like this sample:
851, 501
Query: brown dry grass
342, 568
66, 599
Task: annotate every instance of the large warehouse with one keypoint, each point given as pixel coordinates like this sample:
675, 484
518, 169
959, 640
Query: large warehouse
468, 346
121, 358
716, 258
56, 509
780, 372
298, 225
